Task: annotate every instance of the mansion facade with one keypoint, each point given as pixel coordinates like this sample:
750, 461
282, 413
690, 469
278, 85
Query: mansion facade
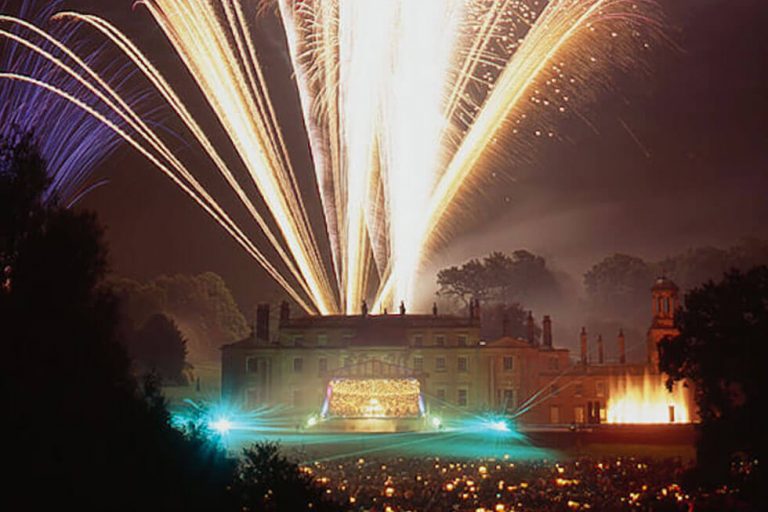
458, 372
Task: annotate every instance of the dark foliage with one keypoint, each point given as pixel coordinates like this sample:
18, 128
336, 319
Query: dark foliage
721, 350
201, 305
158, 347
81, 433
267, 481
499, 278
618, 285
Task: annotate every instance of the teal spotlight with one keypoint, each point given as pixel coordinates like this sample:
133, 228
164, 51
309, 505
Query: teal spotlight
499, 425
221, 425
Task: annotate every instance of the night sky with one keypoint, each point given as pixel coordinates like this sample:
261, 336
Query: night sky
673, 158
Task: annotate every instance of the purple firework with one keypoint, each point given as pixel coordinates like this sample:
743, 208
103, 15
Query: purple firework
72, 142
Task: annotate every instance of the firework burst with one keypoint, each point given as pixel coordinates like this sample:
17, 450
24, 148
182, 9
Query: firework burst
403, 102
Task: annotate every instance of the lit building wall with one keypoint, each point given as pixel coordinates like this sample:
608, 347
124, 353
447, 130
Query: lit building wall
458, 372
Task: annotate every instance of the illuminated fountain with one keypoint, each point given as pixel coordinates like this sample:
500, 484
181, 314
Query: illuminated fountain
374, 398
636, 399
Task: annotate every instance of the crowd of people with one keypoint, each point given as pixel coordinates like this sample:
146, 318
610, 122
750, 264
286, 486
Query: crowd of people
503, 485
374, 398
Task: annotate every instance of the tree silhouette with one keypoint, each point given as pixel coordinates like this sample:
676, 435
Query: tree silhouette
721, 351
201, 305
159, 347
267, 481
499, 279
619, 284
83, 434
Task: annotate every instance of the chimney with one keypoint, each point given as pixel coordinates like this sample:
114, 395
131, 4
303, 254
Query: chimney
622, 348
583, 337
471, 309
477, 309
530, 328
262, 323
434, 309
402, 308
547, 335
285, 312
364, 308
600, 353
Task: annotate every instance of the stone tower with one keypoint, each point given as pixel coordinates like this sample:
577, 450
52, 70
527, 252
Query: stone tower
665, 301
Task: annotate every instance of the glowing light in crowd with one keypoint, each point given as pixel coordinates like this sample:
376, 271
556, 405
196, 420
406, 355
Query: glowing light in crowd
403, 102
645, 399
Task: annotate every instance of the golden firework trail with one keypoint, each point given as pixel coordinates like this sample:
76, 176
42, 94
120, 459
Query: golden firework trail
401, 100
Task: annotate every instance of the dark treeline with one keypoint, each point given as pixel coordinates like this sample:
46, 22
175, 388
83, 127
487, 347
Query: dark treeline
81, 432
617, 286
201, 306
721, 352
158, 348
615, 293
503, 284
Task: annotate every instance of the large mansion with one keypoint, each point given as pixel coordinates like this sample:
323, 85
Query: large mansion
453, 370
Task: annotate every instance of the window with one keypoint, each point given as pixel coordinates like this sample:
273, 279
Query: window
462, 340
322, 365
510, 403
579, 415
600, 388
418, 340
594, 412
508, 363
418, 364
463, 365
440, 393
322, 340
554, 390
298, 339
579, 389
347, 361
554, 414
440, 364
462, 398
252, 365
298, 365
440, 340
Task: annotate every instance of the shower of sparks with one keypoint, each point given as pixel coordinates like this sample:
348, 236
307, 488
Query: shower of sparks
402, 101
77, 143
